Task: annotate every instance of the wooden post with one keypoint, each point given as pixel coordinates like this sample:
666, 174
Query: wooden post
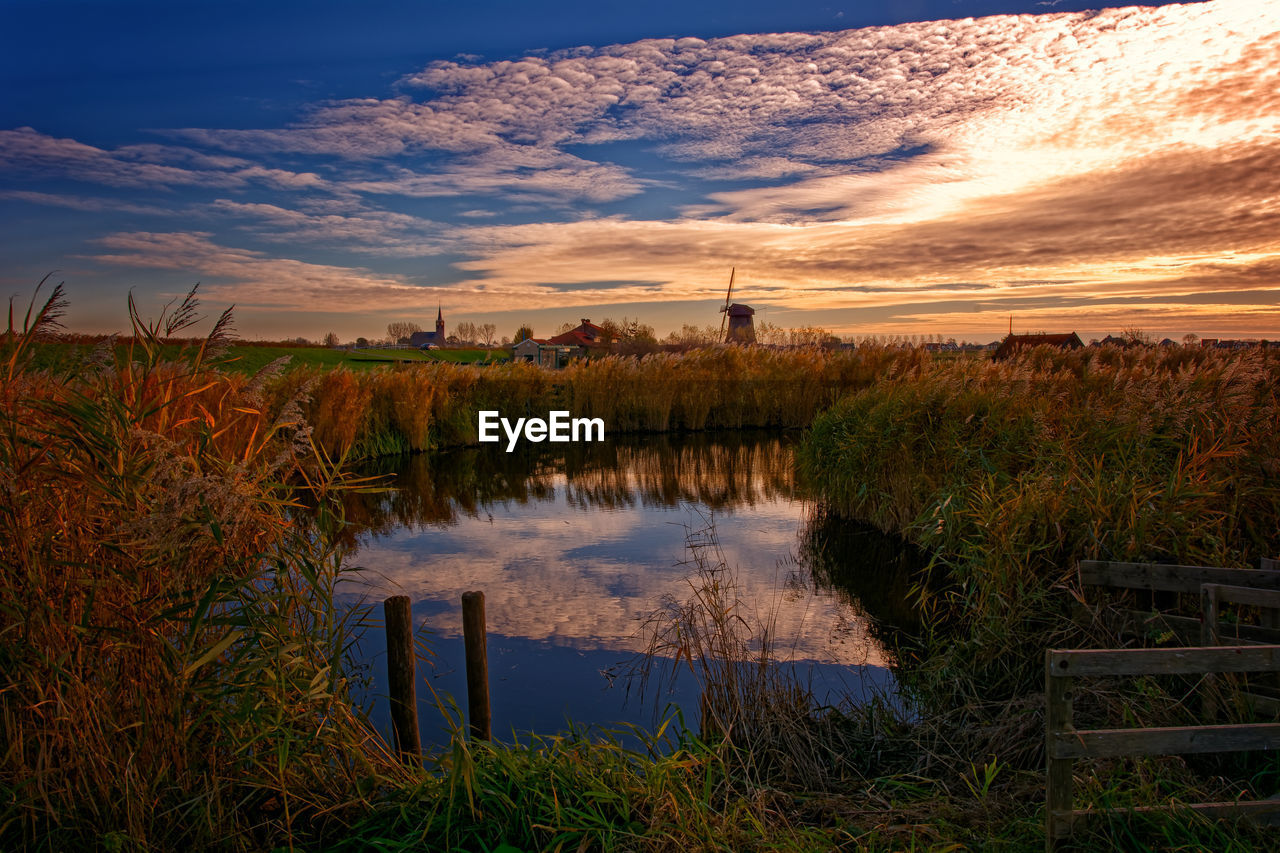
401, 675
1058, 789
1209, 615
1209, 686
474, 638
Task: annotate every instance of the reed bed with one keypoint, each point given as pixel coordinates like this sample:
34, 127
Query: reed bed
171, 669
413, 408
1009, 472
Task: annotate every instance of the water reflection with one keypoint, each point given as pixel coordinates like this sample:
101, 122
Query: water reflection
721, 471
575, 545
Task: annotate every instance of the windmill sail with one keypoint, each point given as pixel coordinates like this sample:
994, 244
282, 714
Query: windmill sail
727, 297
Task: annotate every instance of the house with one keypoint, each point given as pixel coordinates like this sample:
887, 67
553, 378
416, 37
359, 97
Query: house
527, 350
423, 339
1013, 343
544, 352
583, 338
585, 335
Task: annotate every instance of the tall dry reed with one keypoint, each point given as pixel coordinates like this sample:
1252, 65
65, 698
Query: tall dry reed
171, 669
423, 407
1009, 472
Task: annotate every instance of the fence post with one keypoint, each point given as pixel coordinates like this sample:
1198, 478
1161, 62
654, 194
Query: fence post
401, 674
1209, 687
474, 639
1059, 784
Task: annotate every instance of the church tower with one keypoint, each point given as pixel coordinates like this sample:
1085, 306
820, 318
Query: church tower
439, 327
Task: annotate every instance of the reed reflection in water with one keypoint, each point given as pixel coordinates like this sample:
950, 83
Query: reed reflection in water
575, 545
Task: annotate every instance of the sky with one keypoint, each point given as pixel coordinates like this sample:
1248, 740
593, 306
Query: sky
919, 167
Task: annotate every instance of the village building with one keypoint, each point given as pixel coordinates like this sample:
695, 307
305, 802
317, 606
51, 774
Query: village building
527, 350
1013, 343
543, 352
584, 338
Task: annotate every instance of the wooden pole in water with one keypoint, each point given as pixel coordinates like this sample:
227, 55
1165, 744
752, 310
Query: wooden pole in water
401, 674
473, 635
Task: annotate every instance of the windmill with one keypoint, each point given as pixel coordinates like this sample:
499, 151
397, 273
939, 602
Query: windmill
742, 330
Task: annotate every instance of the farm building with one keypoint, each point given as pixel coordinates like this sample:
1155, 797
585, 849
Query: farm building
1013, 343
583, 338
544, 352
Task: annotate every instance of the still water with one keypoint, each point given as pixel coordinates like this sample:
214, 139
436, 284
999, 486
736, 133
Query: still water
576, 546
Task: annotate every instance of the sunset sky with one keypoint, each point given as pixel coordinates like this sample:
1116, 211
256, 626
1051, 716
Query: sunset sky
915, 167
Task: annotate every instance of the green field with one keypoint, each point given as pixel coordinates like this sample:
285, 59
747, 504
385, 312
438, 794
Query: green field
249, 358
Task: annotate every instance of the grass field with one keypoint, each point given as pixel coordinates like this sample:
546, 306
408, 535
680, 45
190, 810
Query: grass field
248, 358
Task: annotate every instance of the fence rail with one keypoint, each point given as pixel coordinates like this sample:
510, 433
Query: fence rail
1165, 578
1065, 744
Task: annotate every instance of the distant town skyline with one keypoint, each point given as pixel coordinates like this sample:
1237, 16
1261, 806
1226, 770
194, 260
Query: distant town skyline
921, 168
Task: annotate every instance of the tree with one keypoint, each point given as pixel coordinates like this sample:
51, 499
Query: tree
523, 333
1133, 336
331, 339
486, 332
629, 337
769, 333
610, 331
466, 332
692, 337
1190, 339
402, 330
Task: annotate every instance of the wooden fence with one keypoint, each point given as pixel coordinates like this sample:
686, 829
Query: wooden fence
1065, 744
1214, 586
1186, 580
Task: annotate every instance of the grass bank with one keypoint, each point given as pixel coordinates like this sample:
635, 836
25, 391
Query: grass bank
1008, 473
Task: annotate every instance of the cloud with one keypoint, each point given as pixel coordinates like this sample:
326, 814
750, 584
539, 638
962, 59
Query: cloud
85, 203
359, 228
30, 154
254, 280
520, 173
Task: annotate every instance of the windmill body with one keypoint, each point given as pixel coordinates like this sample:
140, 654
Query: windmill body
742, 328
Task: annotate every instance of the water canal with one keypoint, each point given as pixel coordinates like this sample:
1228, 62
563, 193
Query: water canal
576, 546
